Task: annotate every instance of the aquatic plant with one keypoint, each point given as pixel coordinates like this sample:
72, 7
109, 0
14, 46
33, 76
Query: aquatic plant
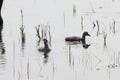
37, 31
74, 10
105, 36
22, 29
114, 27
94, 25
97, 22
82, 22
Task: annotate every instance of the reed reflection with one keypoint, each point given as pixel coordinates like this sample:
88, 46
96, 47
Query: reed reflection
2, 51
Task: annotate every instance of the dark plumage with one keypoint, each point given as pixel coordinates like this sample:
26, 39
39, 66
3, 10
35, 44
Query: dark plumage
77, 39
1, 20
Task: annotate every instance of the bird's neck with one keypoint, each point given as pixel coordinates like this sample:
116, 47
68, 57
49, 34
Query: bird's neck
83, 39
46, 45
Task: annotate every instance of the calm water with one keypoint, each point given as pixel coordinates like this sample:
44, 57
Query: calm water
23, 61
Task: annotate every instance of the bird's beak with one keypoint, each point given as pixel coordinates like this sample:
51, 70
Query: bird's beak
89, 35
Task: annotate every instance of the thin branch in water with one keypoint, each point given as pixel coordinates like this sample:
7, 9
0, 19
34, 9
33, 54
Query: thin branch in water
42, 32
91, 7
114, 27
49, 36
22, 29
82, 22
22, 16
105, 36
69, 54
74, 10
28, 70
97, 26
94, 25
22, 34
38, 33
45, 31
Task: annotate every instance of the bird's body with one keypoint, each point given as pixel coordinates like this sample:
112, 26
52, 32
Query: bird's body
45, 48
75, 39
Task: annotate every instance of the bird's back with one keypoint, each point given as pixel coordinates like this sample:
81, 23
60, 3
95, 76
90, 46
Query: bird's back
72, 38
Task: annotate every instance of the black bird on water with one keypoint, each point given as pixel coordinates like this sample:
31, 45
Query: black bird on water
77, 39
46, 48
1, 20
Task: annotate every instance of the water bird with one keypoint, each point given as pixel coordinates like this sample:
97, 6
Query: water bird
46, 48
1, 20
77, 39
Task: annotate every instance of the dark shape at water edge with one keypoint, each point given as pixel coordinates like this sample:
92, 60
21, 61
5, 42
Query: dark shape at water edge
1, 20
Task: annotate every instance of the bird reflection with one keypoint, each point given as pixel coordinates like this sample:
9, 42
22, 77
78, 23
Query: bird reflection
2, 51
86, 45
46, 55
44, 49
